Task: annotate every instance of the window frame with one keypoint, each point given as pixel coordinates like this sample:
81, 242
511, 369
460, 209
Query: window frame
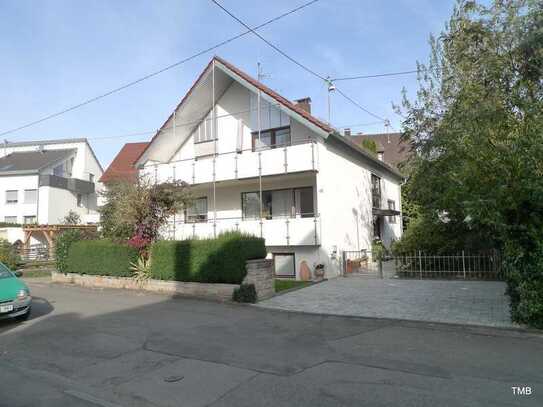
286, 276
376, 193
391, 219
272, 131
7, 221
294, 202
12, 202
36, 196
185, 214
34, 217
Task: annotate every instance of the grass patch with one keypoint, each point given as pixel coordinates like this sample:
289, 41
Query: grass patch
282, 285
35, 273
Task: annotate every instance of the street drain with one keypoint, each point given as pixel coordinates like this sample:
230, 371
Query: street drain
173, 379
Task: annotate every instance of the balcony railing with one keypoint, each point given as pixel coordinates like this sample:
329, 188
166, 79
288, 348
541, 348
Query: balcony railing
276, 232
237, 165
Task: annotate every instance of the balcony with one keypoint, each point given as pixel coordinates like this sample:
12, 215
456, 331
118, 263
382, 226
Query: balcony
235, 165
276, 232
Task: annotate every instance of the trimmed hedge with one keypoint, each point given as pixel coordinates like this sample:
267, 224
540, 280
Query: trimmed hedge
220, 260
101, 257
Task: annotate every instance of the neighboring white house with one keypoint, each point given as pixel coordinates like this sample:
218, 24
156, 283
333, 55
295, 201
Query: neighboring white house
41, 181
261, 164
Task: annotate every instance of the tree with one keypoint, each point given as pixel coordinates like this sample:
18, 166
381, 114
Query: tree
477, 129
369, 145
72, 218
137, 210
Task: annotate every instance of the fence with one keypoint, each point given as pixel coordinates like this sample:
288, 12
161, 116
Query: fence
35, 252
463, 266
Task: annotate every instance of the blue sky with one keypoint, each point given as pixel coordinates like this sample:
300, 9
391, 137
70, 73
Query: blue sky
56, 53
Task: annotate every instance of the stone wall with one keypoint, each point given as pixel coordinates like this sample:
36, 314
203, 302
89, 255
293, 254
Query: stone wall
221, 292
260, 273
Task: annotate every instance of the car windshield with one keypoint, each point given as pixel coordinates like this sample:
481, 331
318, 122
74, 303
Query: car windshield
4, 272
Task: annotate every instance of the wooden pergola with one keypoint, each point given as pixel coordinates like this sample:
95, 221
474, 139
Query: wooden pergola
51, 232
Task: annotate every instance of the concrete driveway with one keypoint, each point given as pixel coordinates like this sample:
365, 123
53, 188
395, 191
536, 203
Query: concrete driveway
113, 348
459, 302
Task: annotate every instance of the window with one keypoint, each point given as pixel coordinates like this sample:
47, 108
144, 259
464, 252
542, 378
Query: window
377, 227
203, 132
29, 220
11, 197
376, 191
79, 200
197, 212
31, 196
59, 170
285, 265
10, 219
271, 138
392, 205
280, 203
91, 177
70, 166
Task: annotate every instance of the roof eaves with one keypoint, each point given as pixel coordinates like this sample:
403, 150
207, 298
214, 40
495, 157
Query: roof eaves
367, 155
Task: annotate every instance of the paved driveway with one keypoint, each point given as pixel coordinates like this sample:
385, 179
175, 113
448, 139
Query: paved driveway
462, 302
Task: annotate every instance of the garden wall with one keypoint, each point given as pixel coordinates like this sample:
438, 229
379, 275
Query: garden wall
259, 273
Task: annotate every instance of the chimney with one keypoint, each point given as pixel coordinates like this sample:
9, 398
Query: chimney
304, 103
347, 132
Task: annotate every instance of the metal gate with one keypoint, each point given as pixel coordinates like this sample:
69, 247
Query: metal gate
361, 263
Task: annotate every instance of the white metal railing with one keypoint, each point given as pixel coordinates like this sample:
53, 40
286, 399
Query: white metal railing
277, 232
459, 265
235, 165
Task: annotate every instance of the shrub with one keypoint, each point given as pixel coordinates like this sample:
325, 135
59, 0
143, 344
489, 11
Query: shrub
220, 260
101, 257
245, 293
8, 255
62, 245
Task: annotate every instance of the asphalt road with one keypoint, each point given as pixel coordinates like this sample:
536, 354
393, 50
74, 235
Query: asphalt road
109, 348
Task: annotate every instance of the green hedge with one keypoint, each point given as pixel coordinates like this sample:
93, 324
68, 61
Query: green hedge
220, 260
100, 257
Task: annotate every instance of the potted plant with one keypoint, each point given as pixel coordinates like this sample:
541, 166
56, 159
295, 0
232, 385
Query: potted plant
319, 271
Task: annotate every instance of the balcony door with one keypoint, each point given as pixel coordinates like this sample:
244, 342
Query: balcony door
279, 203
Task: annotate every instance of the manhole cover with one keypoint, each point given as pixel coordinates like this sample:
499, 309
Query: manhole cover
173, 379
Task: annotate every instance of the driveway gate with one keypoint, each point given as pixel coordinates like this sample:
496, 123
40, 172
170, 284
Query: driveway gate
362, 263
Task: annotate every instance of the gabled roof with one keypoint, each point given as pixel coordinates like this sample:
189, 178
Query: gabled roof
296, 111
28, 162
122, 167
38, 143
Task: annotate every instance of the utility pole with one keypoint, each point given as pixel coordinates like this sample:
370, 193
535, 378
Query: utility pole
331, 88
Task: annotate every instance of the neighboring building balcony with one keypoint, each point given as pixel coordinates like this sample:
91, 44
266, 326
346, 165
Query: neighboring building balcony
244, 164
303, 231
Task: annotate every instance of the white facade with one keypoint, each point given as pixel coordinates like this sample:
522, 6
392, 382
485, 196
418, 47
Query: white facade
300, 186
39, 199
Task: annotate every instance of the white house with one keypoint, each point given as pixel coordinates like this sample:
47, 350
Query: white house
261, 164
41, 181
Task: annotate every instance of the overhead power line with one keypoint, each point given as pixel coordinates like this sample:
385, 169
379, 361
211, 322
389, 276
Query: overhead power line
148, 76
380, 75
303, 66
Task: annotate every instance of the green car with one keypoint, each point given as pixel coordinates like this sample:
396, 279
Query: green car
15, 296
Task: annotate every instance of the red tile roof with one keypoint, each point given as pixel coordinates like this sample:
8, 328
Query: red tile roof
122, 167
